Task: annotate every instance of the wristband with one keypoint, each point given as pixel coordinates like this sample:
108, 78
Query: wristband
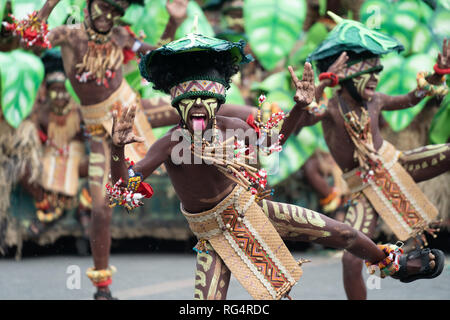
441, 71
330, 75
136, 46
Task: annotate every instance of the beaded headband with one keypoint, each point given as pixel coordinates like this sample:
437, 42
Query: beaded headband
56, 77
194, 88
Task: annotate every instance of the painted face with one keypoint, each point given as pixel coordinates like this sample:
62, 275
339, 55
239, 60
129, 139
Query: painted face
59, 97
197, 112
366, 84
103, 15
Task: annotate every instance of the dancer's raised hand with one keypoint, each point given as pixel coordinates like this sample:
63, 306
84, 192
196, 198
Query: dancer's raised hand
339, 65
177, 10
443, 60
304, 93
122, 129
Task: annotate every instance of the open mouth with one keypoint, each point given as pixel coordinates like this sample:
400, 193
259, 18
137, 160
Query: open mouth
103, 25
198, 121
370, 89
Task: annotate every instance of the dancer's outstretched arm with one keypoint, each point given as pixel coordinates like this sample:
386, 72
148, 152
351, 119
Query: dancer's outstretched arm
47, 9
414, 97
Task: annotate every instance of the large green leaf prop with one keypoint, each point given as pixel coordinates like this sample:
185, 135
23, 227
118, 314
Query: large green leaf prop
296, 151
315, 35
203, 26
298, 148
153, 18
71, 91
273, 27
2, 8
398, 78
440, 23
72, 9
21, 75
21, 8
350, 35
409, 21
234, 95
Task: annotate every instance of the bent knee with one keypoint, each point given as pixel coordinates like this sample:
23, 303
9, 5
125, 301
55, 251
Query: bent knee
347, 235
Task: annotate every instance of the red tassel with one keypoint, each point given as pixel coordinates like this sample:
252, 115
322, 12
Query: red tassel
128, 55
251, 122
145, 189
42, 136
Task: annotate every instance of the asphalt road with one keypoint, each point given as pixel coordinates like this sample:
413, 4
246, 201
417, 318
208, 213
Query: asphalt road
170, 276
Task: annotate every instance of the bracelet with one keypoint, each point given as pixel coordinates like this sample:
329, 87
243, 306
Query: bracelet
389, 265
330, 75
441, 71
101, 278
136, 46
431, 89
129, 197
329, 198
33, 31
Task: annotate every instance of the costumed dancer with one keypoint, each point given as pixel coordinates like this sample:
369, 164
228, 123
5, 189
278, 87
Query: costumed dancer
20, 162
19, 156
381, 178
222, 195
93, 54
58, 120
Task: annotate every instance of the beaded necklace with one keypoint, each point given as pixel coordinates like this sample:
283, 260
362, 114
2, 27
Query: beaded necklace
359, 130
102, 59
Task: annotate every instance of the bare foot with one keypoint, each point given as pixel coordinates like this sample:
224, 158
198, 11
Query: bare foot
420, 264
413, 266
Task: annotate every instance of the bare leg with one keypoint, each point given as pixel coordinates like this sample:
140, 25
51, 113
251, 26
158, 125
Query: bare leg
212, 277
300, 224
426, 162
362, 217
100, 236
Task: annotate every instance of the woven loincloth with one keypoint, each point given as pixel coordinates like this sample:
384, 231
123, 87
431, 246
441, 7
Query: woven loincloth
60, 171
98, 117
394, 195
249, 245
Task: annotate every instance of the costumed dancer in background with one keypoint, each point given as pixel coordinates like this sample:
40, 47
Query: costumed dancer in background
319, 169
20, 155
221, 194
20, 161
64, 160
378, 175
93, 54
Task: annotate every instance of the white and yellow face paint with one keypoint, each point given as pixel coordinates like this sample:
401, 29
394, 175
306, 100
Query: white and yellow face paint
185, 106
362, 80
